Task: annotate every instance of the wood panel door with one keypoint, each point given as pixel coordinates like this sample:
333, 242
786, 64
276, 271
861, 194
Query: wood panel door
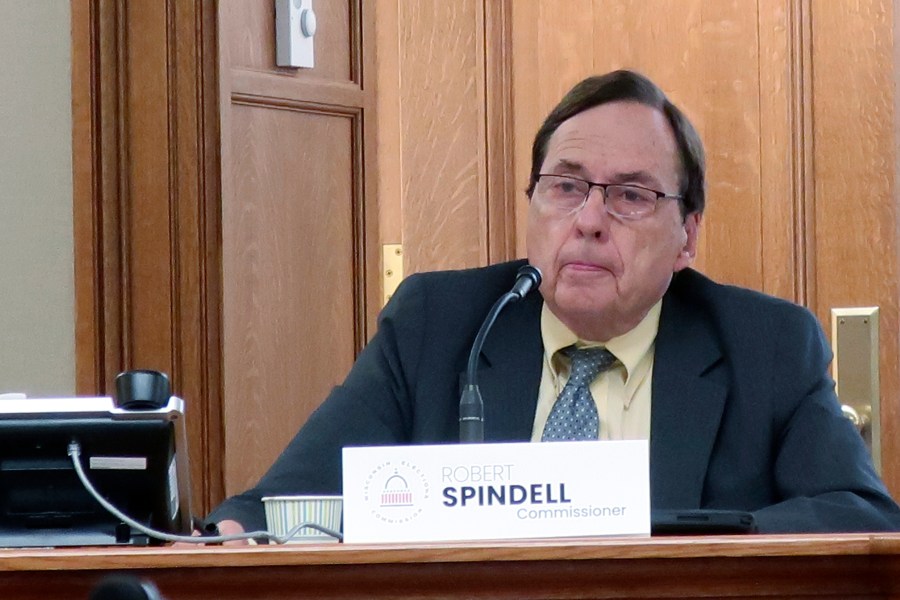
300, 251
225, 218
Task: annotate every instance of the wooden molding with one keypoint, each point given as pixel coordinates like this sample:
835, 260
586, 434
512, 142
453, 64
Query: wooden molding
502, 191
95, 115
146, 207
803, 142
784, 566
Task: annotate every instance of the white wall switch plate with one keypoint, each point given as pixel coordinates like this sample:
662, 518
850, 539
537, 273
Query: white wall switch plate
295, 30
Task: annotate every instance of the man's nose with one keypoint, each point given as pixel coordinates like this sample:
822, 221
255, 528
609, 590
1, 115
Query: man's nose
593, 220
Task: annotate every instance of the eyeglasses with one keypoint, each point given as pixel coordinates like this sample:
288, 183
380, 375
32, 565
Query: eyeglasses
567, 194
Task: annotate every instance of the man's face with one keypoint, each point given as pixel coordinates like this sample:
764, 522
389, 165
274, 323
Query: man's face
602, 274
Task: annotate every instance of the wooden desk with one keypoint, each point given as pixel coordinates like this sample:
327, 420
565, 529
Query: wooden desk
783, 567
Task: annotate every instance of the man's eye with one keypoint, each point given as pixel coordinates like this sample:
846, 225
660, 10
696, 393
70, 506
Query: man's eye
568, 188
633, 195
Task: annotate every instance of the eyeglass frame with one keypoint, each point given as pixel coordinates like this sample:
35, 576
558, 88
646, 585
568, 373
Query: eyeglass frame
603, 189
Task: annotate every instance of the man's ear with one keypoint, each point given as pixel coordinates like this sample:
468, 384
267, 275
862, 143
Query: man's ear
692, 233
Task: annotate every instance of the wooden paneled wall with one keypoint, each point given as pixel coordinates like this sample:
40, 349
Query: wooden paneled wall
853, 247
793, 98
445, 189
300, 252
708, 59
225, 213
795, 102
256, 297
146, 211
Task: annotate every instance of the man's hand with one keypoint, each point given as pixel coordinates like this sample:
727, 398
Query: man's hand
227, 527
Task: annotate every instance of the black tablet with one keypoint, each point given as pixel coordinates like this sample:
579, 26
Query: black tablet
701, 521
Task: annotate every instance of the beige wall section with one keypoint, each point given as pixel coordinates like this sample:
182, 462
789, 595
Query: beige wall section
37, 321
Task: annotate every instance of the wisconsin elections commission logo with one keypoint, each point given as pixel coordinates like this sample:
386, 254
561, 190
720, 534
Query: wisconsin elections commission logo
395, 491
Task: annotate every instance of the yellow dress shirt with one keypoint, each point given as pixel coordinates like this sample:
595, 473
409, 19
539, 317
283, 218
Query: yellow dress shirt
622, 393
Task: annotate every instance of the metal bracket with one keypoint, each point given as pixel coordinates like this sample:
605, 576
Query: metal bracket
854, 340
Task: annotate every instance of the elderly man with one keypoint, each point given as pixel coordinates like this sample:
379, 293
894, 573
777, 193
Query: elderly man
624, 341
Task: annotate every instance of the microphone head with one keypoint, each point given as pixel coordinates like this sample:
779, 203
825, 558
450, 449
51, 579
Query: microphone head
532, 273
528, 277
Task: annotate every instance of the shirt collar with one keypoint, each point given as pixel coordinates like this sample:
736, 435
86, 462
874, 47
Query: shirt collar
629, 347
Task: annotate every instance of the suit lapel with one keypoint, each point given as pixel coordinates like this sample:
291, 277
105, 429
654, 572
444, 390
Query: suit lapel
688, 398
510, 371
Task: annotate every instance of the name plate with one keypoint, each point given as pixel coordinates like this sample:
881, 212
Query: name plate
496, 491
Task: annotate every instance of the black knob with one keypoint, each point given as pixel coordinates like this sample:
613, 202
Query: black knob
142, 389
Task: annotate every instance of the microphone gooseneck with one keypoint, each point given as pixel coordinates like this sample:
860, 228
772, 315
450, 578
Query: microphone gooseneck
471, 405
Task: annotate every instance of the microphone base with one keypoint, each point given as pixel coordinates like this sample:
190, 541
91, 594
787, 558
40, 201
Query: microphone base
471, 416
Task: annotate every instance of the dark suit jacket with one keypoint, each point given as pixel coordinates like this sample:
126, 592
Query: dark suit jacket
744, 414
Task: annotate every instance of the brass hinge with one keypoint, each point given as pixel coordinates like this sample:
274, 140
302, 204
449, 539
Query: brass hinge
391, 269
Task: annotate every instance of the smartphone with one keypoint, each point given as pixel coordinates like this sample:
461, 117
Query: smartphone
701, 521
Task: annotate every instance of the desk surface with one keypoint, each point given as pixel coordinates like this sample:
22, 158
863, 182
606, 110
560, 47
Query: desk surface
786, 566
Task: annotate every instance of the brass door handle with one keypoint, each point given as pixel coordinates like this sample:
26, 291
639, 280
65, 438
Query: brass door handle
855, 343
860, 418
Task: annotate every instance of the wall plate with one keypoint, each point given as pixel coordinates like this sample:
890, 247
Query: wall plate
295, 29
854, 340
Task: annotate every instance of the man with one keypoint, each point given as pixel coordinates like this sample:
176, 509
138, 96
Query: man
730, 386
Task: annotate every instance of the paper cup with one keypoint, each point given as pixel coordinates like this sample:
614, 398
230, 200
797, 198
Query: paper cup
283, 513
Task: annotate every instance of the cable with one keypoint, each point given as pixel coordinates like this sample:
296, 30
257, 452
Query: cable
74, 451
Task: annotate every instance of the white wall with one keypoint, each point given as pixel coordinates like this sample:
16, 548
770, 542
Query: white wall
37, 299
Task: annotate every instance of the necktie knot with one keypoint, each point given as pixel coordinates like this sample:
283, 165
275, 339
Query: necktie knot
587, 363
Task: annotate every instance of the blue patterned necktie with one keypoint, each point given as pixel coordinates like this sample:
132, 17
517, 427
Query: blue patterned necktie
574, 415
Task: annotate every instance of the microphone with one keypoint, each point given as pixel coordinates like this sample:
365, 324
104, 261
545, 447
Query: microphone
471, 405
527, 278
125, 587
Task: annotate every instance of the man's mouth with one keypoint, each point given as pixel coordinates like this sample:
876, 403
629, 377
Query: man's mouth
578, 265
